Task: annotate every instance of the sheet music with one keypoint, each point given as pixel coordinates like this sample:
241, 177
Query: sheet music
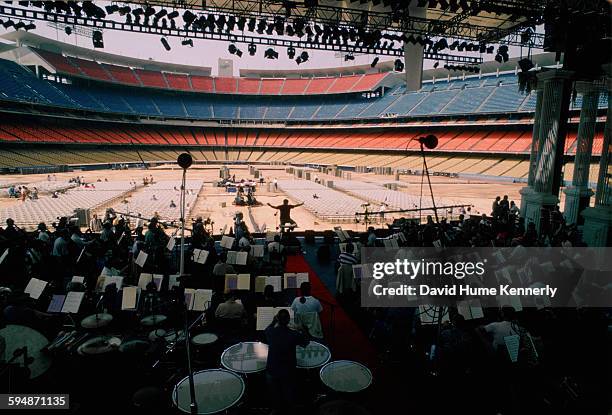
341, 234
72, 302
57, 301
200, 256
35, 288
116, 279
342, 247
290, 280
241, 258
141, 258
231, 282
171, 243
513, 301
358, 271
470, 309
144, 280
512, 346
227, 242
158, 279
4, 255
301, 277
173, 281
78, 279
201, 298
129, 298
189, 297
270, 236
244, 281
265, 315
257, 251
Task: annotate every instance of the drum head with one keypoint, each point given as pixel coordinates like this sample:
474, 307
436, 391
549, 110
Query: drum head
153, 320
96, 321
246, 357
346, 376
99, 345
134, 346
216, 390
311, 356
15, 337
204, 339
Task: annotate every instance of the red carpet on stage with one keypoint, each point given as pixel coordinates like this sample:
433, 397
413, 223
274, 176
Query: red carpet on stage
348, 341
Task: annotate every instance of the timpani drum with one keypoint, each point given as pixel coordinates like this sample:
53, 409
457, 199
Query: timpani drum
346, 376
245, 357
216, 390
312, 356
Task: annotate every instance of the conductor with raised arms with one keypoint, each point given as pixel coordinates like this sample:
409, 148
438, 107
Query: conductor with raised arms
285, 212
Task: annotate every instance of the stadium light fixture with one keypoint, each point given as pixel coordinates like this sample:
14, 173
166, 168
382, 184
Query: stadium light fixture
112, 9
399, 65
375, 62
126, 10
164, 42
270, 54
349, 57
234, 50
97, 39
68, 30
188, 18
291, 52
435, 65
8, 23
241, 22
187, 42
30, 26
252, 49
302, 58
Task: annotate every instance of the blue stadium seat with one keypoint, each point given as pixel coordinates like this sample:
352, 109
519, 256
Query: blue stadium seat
141, 103
329, 111
405, 103
278, 112
197, 107
353, 109
434, 102
169, 105
379, 106
303, 111
81, 97
468, 100
111, 99
225, 110
505, 98
252, 111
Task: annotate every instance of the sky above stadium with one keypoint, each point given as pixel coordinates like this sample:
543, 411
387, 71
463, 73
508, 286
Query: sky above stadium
206, 53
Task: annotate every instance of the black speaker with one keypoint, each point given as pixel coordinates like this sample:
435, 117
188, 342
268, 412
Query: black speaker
185, 160
430, 141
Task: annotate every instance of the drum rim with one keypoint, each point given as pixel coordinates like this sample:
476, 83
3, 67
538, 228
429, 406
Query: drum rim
174, 391
352, 362
155, 321
202, 344
321, 365
237, 370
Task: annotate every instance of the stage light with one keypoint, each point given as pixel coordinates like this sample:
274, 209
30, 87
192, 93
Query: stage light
261, 26
498, 58
188, 17
349, 57
526, 36
398, 65
140, 11
525, 64
161, 13
30, 26
490, 49
187, 42
68, 30
112, 9
252, 48
97, 39
302, 58
19, 25
149, 11
165, 43
290, 31
234, 50
251, 24
291, 52
270, 54
231, 23
375, 62
435, 65
173, 15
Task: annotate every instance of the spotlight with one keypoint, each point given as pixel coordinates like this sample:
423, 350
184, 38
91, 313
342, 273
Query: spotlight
188, 18
291, 52
234, 50
525, 64
97, 39
302, 58
375, 62
270, 54
19, 25
149, 11
187, 42
349, 57
435, 65
30, 26
399, 65
68, 30
139, 12
161, 13
251, 24
490, 49
261, 26
112, 9
173, 15
252, 49
165, 43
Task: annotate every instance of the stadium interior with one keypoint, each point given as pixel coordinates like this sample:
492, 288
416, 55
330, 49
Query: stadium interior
159, 219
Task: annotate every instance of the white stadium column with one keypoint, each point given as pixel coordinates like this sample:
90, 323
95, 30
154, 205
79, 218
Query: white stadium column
551, 141
413, 55
597, 229
535, 143
578, 195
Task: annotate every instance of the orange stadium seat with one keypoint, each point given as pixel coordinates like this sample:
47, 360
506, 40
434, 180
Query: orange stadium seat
248, 86
368, 82
319, 85
178, 81
344, 83
226, 85
59, 62
151, 78
271, 86
91, 69
295, 86
202, 83
122, 74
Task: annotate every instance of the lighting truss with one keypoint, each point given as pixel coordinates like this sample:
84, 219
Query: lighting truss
97, 24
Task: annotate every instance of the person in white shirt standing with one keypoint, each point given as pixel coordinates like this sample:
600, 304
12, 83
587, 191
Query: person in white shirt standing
306, 303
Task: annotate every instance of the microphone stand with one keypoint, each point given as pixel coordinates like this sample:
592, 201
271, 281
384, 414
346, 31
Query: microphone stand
433, 201
193, 405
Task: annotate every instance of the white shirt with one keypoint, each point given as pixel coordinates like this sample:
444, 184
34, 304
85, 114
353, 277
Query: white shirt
499, 330
311, 305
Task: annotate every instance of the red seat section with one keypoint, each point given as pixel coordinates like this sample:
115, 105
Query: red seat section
178, 81
202, 83
368, 82
151, 78
226, 85
92, 69
59, 62
295, 86
122, 74
271, 86
319, 85
344, 83
248, 86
